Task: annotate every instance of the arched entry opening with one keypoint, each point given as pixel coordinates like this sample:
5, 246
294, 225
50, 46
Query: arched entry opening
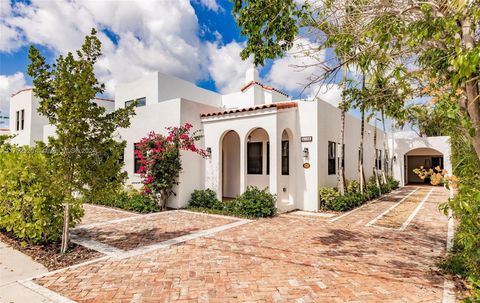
258, 161
230, 165
287, 170
426, 157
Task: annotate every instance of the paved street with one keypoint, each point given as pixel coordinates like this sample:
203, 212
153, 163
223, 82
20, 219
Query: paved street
384, 251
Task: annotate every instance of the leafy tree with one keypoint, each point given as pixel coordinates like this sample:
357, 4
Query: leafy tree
161, 162
84, 151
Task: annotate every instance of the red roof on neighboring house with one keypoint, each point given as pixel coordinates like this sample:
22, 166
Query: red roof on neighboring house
263, 86
278, 105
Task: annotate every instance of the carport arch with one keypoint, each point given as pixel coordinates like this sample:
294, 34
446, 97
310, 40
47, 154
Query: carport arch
423, 156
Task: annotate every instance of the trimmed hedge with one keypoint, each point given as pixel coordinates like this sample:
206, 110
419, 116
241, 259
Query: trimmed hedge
330, 199
131, 200
253, 203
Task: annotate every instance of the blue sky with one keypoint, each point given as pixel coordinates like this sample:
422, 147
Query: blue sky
196, 40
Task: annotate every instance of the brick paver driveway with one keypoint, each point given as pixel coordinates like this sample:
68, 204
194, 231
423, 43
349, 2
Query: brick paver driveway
384, 251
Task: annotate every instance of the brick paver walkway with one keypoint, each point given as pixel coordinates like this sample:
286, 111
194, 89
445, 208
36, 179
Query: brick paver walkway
97, 214
149, 229
284, 259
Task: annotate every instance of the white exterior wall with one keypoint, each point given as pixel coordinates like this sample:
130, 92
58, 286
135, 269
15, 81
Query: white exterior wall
157, 117
419, 146
34, 122
329, 130
158, 87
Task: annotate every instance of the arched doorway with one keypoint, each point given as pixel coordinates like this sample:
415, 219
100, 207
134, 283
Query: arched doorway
286, 191
258, 158
230, 165
426, 157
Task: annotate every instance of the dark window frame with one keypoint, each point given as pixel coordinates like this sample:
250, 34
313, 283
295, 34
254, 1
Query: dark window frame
332, 159
17, 121
22, 119
268, 157
258, 160
140, 102
285, 158
136, 160
378, 159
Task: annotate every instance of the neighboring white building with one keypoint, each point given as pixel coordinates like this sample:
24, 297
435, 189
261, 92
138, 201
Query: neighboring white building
28, 125
255, 137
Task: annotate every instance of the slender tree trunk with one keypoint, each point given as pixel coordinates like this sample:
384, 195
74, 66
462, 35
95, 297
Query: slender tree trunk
341, 172
375, 175
471, 89
162, 200
361, 168
66, 223
385, 149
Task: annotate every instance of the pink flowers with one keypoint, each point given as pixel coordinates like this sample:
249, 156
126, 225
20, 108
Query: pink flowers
159, 156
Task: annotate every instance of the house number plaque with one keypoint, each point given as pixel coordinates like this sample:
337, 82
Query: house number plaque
306, 139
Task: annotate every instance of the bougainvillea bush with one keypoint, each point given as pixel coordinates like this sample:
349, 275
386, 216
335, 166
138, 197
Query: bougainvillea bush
161, 163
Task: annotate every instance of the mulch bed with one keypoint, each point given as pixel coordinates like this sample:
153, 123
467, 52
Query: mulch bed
49, 255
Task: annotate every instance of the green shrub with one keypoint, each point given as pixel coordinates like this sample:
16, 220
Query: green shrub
348, 201
203, 199
353, 186
372, 191
31, 199
131, 200
253, 203
327, 196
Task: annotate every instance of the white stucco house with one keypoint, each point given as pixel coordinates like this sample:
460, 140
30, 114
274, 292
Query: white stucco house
257, 136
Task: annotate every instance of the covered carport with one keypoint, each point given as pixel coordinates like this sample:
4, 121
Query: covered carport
411, 153
421, 157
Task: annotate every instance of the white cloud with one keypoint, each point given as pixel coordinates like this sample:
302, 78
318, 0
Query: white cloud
331, 93
294, 71
152, 35
9, 85
226, 68
211, 5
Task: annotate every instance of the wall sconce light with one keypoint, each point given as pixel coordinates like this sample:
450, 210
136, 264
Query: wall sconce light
305, 152
209, 152
249, 139
395, 158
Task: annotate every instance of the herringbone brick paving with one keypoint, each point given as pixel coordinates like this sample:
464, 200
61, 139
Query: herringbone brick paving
149, 229
283, 259
97, 214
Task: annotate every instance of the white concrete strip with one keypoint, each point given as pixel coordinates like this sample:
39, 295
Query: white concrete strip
448, 285
114, 209
358, 208
415, 212
87, 226
448, 292
450, 230
98, 246
211, 215
389, 209
45, 292
311, 214
181, 239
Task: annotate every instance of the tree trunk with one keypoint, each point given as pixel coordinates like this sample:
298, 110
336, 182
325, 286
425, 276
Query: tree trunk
471, 89
162, 200
361, 169
385, 149
375, 175
341, 173
65, 233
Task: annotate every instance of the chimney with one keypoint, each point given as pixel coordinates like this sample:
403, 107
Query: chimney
251, 75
